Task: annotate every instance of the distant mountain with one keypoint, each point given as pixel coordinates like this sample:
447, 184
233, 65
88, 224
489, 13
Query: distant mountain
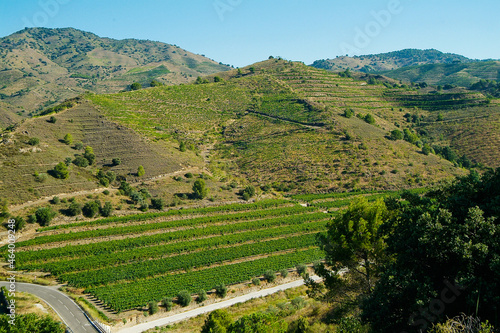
390, 61
40, 67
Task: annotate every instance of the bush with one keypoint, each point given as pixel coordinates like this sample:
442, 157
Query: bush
33, 141
157, 203
52, 120
61, 171
81, 161
19, 223
32, 219
79, 145
140, 171
44, 215
68, 139
202, 296
200, 190
248, 192
256, 282
90, 209
55, 200
298, 302
89, 155
270, 276
153, 307
426, 149
284, 273
221, 290
369, 119
167, 303
135, 86
68, 161
348, 113
116, 161
189, 175
107, 209
397, 135
301, 269
74, 209
41, 177
184, 298
217, 321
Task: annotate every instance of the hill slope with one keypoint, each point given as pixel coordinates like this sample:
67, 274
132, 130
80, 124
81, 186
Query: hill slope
40, 67
390, 61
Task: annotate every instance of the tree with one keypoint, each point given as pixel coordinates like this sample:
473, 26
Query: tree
218, 321
135, 86
61, 171
184, 298
79, 145
270, 276
397, 135
182, 146
218, 79
90, 209
68, 139
427, 149
81, 161
369, 119
348, 113
284, 273
89, 155
44, 215
116, 161
156, 83
200, 190
33, 141
202, 296
440, 117
30, 323
443, 245
140, 171
252, 70
354, 247
221, 290
248, 192
259, 322
52, 120
157, 203
152, 307
19, 223
167, 303
107, 209
74, 209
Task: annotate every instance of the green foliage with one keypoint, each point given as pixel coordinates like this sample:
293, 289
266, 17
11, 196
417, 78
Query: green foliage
116, 161
167, 303
135, 86
55, 200
184, 298
248, 192
81, 161
350, 325
200, 190
348, 113
259, 322
202, 296
158, 203
218, 79
218, 321
369, 119
44, 215
74, 209
106, 210
256, 281
90, 209
182, 146
156, 83
52, 120
270, 276
221, 290
89, 155
140, 171
298, 302
152, 307
397, 135
301, 269
61, 171
440, 117
19, 223
41, 177
440, 242
33, 141
463, 323
68, 139
284, 273
427, 149
301, 325
30, 323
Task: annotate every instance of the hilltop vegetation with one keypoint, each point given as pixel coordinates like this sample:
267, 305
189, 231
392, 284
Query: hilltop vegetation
372, 63
41, 67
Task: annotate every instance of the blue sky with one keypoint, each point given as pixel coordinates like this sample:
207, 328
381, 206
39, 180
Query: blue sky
241, 32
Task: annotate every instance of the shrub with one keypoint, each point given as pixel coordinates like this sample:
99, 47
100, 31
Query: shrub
426, 149
369, 119
116, 161
157, 203
79, 145
298, 302
184, 298
140, 171
200, 190
167, 303
68, 161
61, 171
256, 282
270, 276
202, 296
348, 113
74, 209
19, 223
107, 209
55, 200
89, 155
397, 135
41, 177
135, 86
152, 307
105, 192
248, 192
221, 290
68, 139
90, 209
189, 175
301, 269
52, 120
217, 321
44, 215
33, 141
81, 161
284, 273
32, 219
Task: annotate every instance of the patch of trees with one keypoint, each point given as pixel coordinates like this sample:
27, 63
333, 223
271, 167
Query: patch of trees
489, 86
221, 321
411, 262
30, 323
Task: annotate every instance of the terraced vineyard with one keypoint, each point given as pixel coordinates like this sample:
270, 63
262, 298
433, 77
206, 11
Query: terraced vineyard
125, 262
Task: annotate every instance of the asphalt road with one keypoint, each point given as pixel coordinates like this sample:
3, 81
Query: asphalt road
64, 306
209, 308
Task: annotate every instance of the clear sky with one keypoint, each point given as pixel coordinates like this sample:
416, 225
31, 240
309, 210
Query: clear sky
241, 32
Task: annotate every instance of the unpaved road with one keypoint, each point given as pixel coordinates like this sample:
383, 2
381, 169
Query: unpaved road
209, 308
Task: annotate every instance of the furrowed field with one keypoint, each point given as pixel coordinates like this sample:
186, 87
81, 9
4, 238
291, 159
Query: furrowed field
127, 261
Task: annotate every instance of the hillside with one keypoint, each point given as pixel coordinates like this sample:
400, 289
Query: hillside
390, 61
40, 67
461, 74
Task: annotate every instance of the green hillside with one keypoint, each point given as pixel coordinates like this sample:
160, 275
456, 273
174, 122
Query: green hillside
40, 67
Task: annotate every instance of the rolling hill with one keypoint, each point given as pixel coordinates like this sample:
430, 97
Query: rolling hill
41, 67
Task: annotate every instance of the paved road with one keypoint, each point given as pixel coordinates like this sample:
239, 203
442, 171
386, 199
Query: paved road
64, 306
209, 308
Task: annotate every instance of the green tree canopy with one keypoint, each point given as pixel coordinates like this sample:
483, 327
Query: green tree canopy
200, 190
61, 171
